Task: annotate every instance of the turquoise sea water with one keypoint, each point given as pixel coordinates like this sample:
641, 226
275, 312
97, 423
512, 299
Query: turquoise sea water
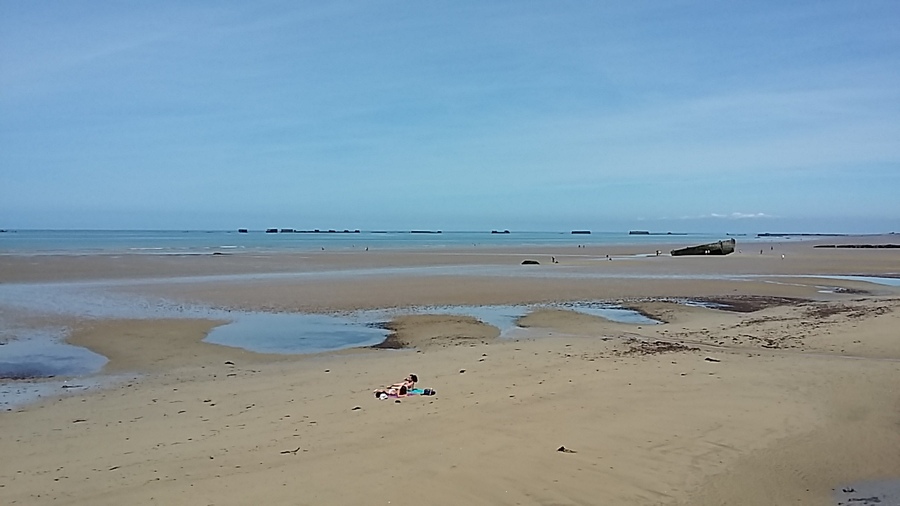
199, 242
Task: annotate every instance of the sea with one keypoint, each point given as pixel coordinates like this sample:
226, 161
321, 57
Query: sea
180, 242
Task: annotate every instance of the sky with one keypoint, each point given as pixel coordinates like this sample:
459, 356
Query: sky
707, 116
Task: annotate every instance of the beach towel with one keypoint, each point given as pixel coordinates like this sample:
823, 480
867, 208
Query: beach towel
414, 391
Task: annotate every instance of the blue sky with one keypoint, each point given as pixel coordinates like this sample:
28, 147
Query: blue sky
669, 115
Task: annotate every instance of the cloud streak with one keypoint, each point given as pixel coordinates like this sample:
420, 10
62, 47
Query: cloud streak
738, 216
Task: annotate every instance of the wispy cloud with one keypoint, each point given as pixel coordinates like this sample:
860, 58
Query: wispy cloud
738, 216
722, 216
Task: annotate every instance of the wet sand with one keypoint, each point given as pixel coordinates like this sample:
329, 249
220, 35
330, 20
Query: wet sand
782, 399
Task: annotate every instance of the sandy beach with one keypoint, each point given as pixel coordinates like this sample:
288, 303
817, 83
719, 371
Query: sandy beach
781, 389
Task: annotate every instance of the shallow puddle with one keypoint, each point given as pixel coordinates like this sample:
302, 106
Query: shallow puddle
314, 333
878, 280
610, 312
44, 354
295, 333
871, 493
18, 393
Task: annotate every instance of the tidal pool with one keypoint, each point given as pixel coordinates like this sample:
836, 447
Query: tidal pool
42, 356
295, 333
299, 333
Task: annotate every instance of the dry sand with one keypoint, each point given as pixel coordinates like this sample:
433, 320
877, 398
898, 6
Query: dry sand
788, 395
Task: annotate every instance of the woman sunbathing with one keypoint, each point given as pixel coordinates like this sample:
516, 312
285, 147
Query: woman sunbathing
398, 389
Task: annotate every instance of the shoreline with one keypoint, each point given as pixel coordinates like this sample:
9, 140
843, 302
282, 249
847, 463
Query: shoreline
775, 388
543, 242
632, 258
36, 242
